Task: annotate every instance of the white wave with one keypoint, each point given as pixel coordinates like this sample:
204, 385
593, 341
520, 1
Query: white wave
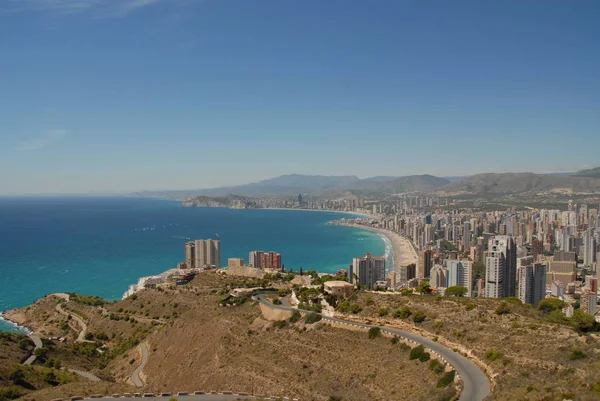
21, 329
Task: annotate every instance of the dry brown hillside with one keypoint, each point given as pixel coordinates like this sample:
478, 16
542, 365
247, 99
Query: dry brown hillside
532, 358
195, 344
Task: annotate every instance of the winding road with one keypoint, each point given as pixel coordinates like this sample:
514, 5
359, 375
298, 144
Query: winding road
135, 376
38, 344
476, 385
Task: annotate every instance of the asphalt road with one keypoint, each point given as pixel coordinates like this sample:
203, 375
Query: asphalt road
199, 397
38, 344
135, 376
476, 385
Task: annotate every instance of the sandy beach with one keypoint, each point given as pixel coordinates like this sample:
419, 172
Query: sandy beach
404, 253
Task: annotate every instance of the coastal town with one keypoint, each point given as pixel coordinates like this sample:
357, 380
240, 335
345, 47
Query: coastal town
530, 254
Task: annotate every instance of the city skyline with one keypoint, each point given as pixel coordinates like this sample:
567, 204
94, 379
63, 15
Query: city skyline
122, 96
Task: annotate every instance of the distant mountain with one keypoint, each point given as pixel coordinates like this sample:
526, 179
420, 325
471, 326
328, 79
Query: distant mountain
314, 185
411, 183
379, 178
592, 173
522, 183
310, 181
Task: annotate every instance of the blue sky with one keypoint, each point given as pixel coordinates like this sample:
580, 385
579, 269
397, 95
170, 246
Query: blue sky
123, 95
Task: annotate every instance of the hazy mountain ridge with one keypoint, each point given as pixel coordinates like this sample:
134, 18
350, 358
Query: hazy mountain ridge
522, 183
591, 173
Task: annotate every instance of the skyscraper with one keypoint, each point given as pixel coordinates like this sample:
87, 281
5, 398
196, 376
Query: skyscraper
207, 253
425, 264
532, 281
190, 255
460, 272
500, 267
466, 238
589, 247
367, 270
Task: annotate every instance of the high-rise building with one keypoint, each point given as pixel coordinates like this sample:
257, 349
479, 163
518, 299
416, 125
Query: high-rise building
367, 270
438, 277
588, 301
264, 260
532, 280
425, 263
589, 248
460, 272
500, 267
207, 253
466, 237
190, 255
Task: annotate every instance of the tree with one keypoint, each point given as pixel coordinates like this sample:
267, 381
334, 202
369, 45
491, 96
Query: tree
424, 287
456, 291
301, 272
548, 305
582, 320
416, 352
50, 377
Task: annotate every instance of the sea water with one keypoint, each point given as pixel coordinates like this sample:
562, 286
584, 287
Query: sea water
101, 245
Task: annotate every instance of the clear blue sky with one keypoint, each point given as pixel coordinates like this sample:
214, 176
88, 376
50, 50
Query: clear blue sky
120, 95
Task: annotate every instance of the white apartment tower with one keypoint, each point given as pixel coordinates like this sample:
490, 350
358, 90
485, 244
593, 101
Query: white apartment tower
500, 267
208, 253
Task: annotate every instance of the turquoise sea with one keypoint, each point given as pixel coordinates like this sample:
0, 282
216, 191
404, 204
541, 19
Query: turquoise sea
101, 245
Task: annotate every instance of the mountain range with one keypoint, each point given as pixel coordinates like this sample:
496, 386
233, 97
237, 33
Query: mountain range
584, 181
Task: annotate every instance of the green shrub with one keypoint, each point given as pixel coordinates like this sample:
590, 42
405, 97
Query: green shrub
382, 311
418, 316
548, 305
470, 306
491, 355
577, 355
402, 313
416, 352
312, 318
425, 356
446, 379
276, 301
16, 375
295, 316
374, 332
394, 340
10, 393
370, 300
503, 308
280, 324
436, 366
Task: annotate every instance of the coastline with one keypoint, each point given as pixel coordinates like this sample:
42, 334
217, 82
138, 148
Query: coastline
363, 215
404, 253
16, 327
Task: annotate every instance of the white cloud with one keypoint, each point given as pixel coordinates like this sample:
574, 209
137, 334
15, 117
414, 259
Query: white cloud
114, 8
43, 141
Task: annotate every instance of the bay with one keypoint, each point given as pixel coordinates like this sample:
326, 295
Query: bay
101, 245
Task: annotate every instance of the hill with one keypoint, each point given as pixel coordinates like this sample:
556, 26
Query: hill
194, 344
413, 183
592, 173
315, 185
522, 184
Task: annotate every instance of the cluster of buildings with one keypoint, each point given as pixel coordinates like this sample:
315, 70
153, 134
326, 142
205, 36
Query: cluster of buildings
270, 261
202, 254
349, 203
368, 271
528, 254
